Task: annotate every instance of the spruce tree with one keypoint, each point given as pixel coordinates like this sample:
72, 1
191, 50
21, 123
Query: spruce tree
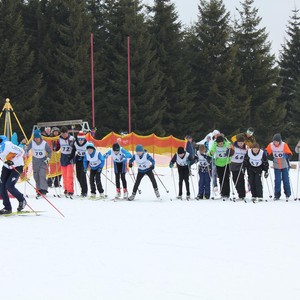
124, 18
221, 99
168, 40
289, 72
20, 81
260, 75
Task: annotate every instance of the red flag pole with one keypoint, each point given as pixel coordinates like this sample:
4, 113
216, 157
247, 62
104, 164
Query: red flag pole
92, 75
129, 94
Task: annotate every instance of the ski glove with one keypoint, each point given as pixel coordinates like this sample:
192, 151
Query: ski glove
99, 170
46, 160
130, 165
84, 170
266, 174
171, 165
9, 162
152, 167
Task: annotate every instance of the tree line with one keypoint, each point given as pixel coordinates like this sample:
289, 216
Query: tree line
219, 72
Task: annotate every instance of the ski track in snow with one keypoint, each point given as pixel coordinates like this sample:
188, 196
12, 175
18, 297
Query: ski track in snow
150, 249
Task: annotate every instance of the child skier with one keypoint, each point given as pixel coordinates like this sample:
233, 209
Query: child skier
204, 163
145, 166
41, 154
281, 153
119, 156
221, 150
78, 152
237, 166
12, 157
95, 160
256, 161
183, 160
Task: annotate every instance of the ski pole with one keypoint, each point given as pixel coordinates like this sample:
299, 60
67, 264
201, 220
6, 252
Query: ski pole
160, 181
108, 179
298, 167
190, 174
38, 191
134, 180
174, 182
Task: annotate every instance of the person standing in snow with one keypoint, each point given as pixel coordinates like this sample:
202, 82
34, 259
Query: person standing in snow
65, 144
256, 161
41, 154
221, 150
94, 159
146, 166
183, 160
77, 154
119, 157
248, 136
12, 157
281, 154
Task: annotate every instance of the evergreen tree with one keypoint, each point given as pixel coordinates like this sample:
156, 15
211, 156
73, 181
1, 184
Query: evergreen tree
20, 81
221, 99
289, 72
167, 37
259, 73
124, 18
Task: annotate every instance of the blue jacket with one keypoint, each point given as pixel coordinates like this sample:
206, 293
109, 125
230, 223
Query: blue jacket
100, 157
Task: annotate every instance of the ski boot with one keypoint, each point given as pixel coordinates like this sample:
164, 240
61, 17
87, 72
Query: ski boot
131, 198
118, 194
22, 205
125, 196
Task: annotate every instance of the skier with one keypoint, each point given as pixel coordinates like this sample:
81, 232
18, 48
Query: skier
249, 137
183, 160
95, 160
145, 166
237, 167
65, 144
41, 154
256, 161
12, 156
222, 151
204, 163
119, 156
281, 154
77, 154
189, 147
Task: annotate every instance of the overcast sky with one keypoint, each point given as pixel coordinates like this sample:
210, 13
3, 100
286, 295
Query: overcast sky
274, 13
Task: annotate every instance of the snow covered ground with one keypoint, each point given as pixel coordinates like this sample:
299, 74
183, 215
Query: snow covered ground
147, 249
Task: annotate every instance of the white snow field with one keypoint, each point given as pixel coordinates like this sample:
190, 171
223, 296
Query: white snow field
149, 249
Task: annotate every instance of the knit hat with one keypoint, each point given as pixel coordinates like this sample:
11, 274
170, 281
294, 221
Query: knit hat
219, 139
240, 138
139, 148
81, 135
3, 139
55, 129
37, 134
277, 137
116, 147
180, 150
90, 145
64, 129
250, 131
215, 132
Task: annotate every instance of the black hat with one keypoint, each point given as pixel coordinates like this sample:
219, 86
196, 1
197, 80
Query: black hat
219, 139
240, 138
64, 129
180, 150
116, 147
277, 137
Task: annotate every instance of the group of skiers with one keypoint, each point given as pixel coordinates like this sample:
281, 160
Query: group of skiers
218, 157
215, 156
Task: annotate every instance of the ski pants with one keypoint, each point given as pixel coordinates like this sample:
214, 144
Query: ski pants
81, 177
9, 178
95, 175
120, 172
184, 174
204, 184
282, 174
224, 174
239, 182
140, 176
68, 178
39, 174
255, 183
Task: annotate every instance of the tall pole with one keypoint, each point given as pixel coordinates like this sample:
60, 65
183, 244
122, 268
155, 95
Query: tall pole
92, 75
129, 94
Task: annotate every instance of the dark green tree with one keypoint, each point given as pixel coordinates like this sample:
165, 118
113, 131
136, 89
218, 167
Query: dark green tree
221, 100
289, 72
168, 40
260, 75
124, 18
20, 81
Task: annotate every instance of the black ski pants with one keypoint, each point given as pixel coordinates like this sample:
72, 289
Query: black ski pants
120, 174
140, 176
239, 182
81, 177
254, 178
224, 174
184, 173
96, 176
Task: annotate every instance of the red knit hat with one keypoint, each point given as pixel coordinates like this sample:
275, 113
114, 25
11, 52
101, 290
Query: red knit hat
81, 135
